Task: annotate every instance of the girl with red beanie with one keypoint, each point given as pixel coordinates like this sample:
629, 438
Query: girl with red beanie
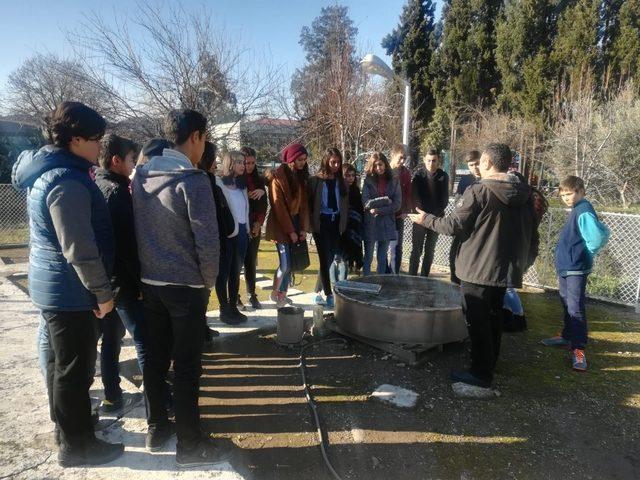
288, 219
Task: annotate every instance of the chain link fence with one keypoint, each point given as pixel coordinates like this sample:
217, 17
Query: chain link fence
14, 222
615, 277
616, 273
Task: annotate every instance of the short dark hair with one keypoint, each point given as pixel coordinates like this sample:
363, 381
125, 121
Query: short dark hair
248, 152
500, 155
113, 144
432, 151
208, 156
180, 124
73, 119
472, 156
572, 184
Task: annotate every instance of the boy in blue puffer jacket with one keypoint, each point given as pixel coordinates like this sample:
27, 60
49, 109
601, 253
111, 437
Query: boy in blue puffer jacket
581, 238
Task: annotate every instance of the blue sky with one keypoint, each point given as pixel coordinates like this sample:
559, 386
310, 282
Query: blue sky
266, 27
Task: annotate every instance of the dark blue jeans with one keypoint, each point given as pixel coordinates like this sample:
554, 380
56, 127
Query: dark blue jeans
572, 295
112, 330
228, 281
131, 312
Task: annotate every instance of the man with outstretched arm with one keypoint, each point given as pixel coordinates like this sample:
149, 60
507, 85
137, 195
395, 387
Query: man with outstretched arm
499, 241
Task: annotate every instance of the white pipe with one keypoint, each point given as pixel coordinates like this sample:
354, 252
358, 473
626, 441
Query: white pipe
406, 122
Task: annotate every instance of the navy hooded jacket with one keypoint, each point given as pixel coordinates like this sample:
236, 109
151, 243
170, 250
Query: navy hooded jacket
54, 284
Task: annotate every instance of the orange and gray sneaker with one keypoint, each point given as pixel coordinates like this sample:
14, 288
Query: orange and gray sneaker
579, 360
558, 341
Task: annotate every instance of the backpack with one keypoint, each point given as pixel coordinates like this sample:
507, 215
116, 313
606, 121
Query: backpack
540, 204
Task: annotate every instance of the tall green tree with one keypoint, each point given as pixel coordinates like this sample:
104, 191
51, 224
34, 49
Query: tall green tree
625, 50
576, 46
464, 66
523, 37
411, 45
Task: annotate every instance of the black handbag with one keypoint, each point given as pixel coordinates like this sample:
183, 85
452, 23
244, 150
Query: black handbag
299, 256
299, 250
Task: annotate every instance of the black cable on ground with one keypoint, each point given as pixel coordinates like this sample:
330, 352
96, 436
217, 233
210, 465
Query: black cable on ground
324, 444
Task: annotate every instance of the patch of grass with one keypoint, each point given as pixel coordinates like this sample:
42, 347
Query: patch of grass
614, 344
14, 235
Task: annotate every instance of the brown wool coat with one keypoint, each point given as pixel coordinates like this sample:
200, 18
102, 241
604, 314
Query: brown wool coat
283, 206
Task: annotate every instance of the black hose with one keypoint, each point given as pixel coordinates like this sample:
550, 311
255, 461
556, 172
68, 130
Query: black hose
324, 444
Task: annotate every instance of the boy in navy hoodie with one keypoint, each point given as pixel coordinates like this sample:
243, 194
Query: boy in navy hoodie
581, 238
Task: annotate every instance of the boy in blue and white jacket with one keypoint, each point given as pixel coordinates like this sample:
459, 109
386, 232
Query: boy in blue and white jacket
581, 238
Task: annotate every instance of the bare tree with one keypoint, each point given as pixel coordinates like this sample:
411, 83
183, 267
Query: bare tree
174, 60
45, 80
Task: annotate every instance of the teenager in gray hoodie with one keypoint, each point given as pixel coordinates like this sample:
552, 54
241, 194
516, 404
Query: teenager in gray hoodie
178, 244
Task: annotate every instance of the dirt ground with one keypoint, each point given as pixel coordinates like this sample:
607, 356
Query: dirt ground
549, 421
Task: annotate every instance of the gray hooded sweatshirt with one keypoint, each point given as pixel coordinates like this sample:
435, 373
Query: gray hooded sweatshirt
175, 219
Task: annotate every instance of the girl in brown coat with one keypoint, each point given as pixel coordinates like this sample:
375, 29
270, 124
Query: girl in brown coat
288, 219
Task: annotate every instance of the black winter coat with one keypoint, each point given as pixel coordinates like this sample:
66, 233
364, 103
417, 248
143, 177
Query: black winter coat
496, 222
430, 197
126, 272
226, 223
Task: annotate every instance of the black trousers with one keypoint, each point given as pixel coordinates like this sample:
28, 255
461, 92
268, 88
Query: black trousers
251, 264
74, 338
422, 239
174, 316
483, 308
327, 242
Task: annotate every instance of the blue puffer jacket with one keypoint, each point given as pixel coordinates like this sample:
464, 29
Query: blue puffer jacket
53, 282
580, 239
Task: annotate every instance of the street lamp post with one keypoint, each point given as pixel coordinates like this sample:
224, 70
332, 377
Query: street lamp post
376, 66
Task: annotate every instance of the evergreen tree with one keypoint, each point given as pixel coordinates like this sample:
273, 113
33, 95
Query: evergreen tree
625, 50
523, 38
464, 65
575, 48
411, 45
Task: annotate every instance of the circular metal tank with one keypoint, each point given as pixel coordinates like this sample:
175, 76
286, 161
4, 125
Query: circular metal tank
407, 310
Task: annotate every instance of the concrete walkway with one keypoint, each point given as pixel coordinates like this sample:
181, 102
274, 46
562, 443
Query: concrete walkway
27, 450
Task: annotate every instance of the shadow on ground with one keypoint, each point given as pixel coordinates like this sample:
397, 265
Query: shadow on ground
549, 422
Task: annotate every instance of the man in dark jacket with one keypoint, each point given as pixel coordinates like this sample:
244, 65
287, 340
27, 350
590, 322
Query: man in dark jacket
70, 262
430, 193
499, 241
117, 160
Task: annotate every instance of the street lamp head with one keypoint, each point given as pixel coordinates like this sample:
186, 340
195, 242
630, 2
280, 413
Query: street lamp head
376, 66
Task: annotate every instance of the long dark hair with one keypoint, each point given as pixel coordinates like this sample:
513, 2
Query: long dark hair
208, 156
370, 170
350, 167
295, 178
325, 170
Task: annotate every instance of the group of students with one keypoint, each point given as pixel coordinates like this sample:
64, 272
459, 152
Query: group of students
108, 252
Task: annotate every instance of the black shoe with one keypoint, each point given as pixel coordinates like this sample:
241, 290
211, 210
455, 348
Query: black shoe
512, 322
207, 452
94, 452
157, 437
255, 303
469, 378
209, 336
227, 316
124, 402
241, 317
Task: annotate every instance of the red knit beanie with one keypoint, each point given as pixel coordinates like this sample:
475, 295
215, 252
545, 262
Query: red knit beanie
292, 152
